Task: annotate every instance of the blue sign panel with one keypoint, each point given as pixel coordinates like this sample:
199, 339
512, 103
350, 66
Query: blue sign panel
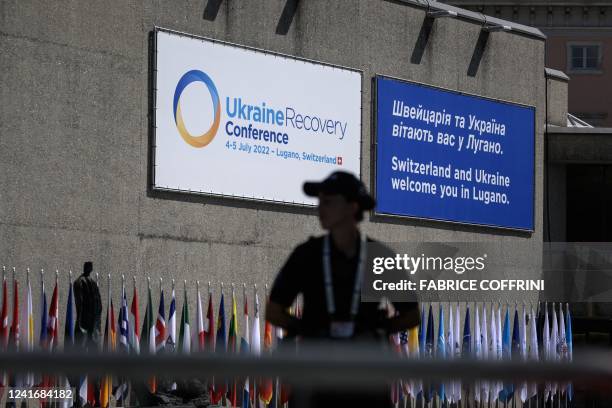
447, 156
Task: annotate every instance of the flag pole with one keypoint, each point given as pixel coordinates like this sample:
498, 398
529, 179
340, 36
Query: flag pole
233, 386
531, 316
108, 303
27, 405
74, 321
255, 397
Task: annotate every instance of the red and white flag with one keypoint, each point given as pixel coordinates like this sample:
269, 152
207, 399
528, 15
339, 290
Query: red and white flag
160, 324
14, 334
135, 328
52, 321
200, 317
4, 327
86, 392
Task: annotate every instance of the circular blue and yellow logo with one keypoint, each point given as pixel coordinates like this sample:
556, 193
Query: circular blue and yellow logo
207, 137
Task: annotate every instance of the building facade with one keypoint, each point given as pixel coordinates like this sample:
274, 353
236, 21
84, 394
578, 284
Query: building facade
76, 120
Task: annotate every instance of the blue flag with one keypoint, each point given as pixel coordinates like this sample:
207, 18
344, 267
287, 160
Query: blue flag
246, 398
441, 348
124, 327
506, 352
171, 340
123, 390
570, 347
466, 348
516, 336
43, 321
506, 393
160, 325
69, 330
429, 351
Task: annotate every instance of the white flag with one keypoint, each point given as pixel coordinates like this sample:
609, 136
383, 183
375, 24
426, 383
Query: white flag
554, 343
29, 330
200, 316
458, 341
493, 350
562, 347
500, 354
477, 349
534, 354
484, 344
83, 391
255, 335
450, 350
523, 333
562, 338
546, 348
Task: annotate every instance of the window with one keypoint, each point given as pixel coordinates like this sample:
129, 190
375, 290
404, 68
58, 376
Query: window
584, 57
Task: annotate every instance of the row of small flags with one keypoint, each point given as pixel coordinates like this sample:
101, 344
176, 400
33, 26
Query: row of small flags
489, 336
156, 335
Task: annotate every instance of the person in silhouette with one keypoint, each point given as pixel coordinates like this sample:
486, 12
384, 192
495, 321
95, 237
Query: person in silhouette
327, 271
88, 308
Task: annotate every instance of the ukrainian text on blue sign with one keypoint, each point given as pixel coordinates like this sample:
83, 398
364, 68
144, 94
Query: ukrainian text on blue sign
448, 156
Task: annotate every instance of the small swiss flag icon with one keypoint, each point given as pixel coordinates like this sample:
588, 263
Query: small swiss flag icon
339, 161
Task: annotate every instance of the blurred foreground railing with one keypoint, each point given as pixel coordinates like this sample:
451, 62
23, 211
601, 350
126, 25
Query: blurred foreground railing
318, 365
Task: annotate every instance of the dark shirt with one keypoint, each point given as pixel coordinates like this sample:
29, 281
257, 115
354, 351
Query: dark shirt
303, 273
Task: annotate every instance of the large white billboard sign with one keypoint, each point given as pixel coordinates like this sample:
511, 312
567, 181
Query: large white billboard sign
240, 122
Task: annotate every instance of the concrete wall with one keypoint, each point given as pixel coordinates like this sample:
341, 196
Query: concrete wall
74, 131
556, 88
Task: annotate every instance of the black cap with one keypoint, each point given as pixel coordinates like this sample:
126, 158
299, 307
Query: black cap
345, 184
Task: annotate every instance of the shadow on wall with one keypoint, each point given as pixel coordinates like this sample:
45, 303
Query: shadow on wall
284, 23
212, 9
286, 17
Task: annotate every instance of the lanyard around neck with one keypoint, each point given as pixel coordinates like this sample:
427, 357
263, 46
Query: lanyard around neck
329, 290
